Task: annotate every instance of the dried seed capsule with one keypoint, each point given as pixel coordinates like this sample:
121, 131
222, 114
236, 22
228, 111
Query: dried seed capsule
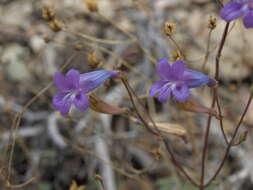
48, 13
169, 28
55, 25
212, 22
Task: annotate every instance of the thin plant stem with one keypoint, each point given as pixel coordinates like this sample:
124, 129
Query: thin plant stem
220, 3
207, 49
17, 119
131, 36
97, 40
221, 119
217, 68
217, 59
157, 132
135, 107
177, 46
204, 152
231, 142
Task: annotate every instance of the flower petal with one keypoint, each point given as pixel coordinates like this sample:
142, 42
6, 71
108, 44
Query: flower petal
72, 77
195, 79
177, 69
61, 103
155, 88
81, 101
68, 82
248, 19
59, 81
163, 68
165, 93
181, 92
231, 11
90, 81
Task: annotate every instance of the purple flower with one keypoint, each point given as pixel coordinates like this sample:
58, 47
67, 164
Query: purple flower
237, 8
176, 81
74, 88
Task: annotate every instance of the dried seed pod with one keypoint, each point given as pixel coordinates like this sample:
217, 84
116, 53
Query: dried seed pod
212, 22
169, 28
55, 25
93, 59
100, 106
48, 13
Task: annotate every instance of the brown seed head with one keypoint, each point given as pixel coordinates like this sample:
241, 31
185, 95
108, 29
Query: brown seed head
55, 25
169, 28
212, 22
93, 59
48, 13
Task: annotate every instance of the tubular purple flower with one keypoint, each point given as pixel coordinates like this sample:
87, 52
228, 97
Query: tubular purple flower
236, 9
74, 88
177, 80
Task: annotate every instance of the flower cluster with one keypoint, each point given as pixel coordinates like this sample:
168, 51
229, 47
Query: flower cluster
176, 81
236, 9
74, 88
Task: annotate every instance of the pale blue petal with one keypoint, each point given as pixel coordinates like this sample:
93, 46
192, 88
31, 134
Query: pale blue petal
195, 79
90, 81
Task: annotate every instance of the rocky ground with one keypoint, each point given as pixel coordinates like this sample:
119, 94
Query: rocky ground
87, 150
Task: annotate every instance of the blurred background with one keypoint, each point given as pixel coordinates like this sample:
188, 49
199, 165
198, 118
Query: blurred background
89, 150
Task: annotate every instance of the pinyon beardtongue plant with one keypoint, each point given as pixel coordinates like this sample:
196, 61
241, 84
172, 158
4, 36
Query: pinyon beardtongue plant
237, 8
74, 88
177, 80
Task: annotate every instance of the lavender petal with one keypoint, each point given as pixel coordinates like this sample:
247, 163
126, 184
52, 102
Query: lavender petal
181, 92
61, 103
60, 82
163, 68
248, 19
81, 101
155, 88
231, 11
72, 77
165, 93
177, 69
